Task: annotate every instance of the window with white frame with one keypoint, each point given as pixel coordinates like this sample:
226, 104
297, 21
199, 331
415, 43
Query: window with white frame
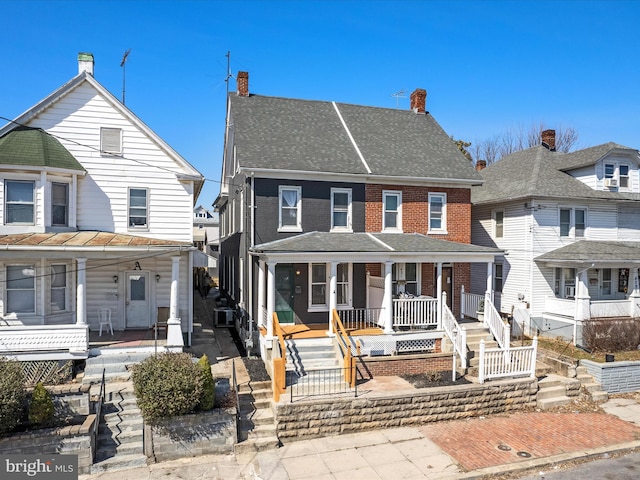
609, 171
20, 289
498, 223
290, 209
341, 209
58, 288
497, 277
437, 212
111, 140
19, 202
138, 208
605, 284
565, 282
318, 290
392, 215
624, 176
573, 222
343, 275
59, 204
404, 277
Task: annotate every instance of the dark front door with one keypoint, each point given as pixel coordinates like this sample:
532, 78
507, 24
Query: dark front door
284, 293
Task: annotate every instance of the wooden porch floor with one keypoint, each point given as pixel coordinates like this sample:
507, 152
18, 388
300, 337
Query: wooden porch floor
126, 338
319, 330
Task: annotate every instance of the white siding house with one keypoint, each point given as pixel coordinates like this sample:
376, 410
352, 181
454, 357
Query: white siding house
570, 234
97, 213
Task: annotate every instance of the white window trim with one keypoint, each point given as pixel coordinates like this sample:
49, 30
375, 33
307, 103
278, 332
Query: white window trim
495, 276
108, 140
392, 193
33, 203
66, 287
298, 226
494, 216
144, 227
340, 228
443, 229
572, 222
327, 283
6, 290
401, 276
66, 224
349, 304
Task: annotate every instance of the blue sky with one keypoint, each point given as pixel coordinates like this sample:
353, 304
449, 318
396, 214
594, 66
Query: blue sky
488, 66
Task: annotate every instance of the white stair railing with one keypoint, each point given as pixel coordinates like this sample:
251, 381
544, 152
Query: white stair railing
457, 335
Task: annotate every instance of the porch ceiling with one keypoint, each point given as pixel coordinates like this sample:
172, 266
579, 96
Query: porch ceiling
586, 252
366, 246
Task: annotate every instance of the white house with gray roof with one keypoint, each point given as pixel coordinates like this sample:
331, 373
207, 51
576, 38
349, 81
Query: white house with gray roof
96, 229
569, 226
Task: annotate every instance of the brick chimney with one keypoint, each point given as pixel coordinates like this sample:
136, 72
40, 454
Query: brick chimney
85, 63
481, 165
549, 139
419, 100
243, 84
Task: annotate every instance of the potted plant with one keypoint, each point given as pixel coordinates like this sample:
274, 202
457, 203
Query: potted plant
480, 311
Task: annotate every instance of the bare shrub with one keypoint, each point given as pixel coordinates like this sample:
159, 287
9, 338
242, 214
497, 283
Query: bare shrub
600, 335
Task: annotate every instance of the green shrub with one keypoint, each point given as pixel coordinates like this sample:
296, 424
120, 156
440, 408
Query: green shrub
167, 385
12, 394
208, 397
41, 407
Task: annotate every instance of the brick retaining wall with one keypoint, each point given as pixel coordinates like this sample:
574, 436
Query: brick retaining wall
322, 417
370, 367
615, 377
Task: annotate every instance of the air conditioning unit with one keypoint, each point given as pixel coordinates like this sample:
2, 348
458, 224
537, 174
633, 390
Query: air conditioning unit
610, 182
569, 291
223, 317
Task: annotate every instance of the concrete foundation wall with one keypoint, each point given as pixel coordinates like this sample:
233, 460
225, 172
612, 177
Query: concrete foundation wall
615, 377
301, 420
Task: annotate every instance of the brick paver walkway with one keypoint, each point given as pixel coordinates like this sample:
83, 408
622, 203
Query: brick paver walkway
480, 443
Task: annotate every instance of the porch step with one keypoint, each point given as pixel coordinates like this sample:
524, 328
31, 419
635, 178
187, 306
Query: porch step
257, 429
311, 354
552, 392
590, 387
115, 367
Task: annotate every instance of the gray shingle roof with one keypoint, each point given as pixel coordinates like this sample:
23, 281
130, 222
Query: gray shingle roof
538, 172
305, 135
35, 148
592, 251
327, 242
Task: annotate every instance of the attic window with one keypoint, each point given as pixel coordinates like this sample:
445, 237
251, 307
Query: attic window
111, 140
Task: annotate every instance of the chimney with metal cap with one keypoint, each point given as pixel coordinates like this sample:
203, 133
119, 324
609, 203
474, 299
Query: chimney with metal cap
243, 84
419, 100
85, 63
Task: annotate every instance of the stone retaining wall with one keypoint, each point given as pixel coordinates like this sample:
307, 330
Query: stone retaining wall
322, 417
615, 377
370, 367
69, 440
191, 435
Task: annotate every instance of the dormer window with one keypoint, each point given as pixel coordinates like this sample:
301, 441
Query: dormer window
19, 202
59, 204
624, 176
111, 140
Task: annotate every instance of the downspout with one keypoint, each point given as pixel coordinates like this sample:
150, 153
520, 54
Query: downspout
249, 263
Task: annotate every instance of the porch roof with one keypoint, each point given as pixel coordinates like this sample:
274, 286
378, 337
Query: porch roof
365, 246
587, 252
85, 241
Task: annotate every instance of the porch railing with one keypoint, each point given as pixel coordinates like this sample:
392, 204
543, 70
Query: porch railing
469, 304
326, 381
360, 318
68, 341
457, 335
344, 342
415, 312
499, 363
279, 361
560, 306
499, 329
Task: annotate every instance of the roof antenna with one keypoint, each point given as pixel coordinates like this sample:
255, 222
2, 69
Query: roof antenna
122, 64
399, 95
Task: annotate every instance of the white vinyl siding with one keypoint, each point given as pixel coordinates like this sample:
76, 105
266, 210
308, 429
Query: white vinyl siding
102, 196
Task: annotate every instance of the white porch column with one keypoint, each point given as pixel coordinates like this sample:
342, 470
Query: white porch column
634, 296
174, 326
81, 292
488, 294
387, 301
582, 298
271, 297
333, 293
260, 307
439, 293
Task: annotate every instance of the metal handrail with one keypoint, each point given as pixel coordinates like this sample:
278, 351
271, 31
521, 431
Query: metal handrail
101, 399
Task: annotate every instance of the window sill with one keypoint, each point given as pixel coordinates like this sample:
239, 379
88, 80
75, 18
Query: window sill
341, 230
437, 232
290, 229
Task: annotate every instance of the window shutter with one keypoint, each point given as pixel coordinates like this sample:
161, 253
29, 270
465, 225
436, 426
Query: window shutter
111, 140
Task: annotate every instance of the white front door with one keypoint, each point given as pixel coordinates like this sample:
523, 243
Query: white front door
137, 309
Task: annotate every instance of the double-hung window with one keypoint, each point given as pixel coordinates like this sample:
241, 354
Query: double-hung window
437, 213
319, 283
498, 223
404, 277
19, 201
343, 293
318, 289
565, 282
21, 289
392, 215
497, 277
573, 222
58, 288
138, 208
624, 176
341, 209
59, 204
290, 209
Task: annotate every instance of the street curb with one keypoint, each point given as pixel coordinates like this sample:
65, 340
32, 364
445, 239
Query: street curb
543, 462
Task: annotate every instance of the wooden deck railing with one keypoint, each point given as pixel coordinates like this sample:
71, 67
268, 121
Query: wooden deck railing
344, 342
279, 361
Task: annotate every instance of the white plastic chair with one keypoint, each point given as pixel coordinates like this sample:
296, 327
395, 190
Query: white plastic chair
104, 315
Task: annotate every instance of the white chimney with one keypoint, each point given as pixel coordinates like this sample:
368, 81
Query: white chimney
85, 63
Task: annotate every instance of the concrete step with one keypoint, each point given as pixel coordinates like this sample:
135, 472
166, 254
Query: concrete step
252, 445
111, 449
258, 417
119, 462
262, 431
592, 387
551, 381
548, 403
255, 395
552, 392
599, 396
253, 386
